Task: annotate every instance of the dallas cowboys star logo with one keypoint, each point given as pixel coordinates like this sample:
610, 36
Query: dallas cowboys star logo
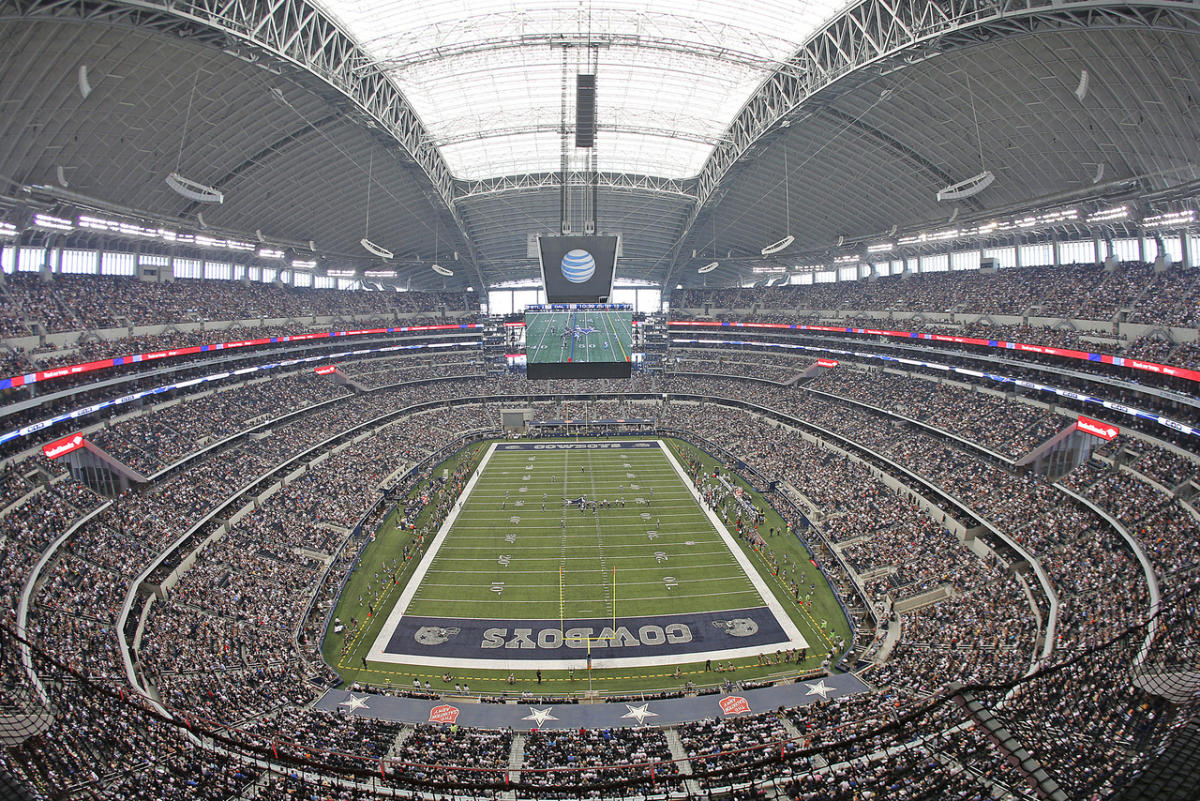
820, 688
355, 703
539, 716
640, 713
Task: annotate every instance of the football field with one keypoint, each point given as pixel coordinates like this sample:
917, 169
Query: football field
581, 335
557, 552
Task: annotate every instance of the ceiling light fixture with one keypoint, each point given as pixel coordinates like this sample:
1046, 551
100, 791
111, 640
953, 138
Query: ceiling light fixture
787, 213
976, 183
192, 190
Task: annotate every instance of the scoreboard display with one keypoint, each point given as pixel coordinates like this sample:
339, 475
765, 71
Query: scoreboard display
579, 341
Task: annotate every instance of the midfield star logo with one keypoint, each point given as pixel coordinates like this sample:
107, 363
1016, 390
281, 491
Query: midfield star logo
734, 705
444, 714
540, 716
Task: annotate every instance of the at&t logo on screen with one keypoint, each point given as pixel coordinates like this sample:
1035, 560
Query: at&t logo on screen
578, 266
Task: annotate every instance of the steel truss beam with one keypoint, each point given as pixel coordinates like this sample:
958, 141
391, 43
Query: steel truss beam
892, 34
689, 49
620, 182
492, 132
291, 31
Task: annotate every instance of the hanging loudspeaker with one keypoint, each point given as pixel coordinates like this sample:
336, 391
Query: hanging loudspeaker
1082, 89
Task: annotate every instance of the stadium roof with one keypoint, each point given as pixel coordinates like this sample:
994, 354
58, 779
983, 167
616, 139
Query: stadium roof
486, 76
723, 126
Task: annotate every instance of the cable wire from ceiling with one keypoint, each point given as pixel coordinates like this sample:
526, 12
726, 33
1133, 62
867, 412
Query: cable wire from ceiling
278, 95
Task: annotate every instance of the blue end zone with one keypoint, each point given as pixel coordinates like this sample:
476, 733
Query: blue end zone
539, 640
576, 446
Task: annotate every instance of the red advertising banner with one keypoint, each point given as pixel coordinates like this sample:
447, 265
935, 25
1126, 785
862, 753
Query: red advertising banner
827, 362
326, 370
734, 705
1106, 431
61, 447
443, 714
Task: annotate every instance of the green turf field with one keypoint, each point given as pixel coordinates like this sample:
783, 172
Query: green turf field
588, 547
583, 335
525, 495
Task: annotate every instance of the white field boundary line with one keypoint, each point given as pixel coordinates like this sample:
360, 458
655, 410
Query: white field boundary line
579, 662
795, 638
410, 589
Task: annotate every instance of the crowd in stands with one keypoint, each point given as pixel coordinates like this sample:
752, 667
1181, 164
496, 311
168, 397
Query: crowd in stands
1164, 524
1084, 292
382, 372
588, 752
150, 442
780, 369
455, 754
968, 413
87, 303
1114, 381
221, 644
89, 347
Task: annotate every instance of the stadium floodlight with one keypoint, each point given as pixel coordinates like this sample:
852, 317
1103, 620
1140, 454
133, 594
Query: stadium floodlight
378, 250
929, 236
52, 222
968, 188
775, 247
304, 264
849, 258
194, 190
380, 273
270, 253
882, 247
440, 270
115, 226
340, 273
708, 268
211, 242
1109, 215
7, 229
1170, 219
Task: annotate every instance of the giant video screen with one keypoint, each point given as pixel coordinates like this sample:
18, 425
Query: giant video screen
579, 341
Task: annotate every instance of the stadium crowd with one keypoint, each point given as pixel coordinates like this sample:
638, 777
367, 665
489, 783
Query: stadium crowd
220, 646
85, 303
1070, 291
